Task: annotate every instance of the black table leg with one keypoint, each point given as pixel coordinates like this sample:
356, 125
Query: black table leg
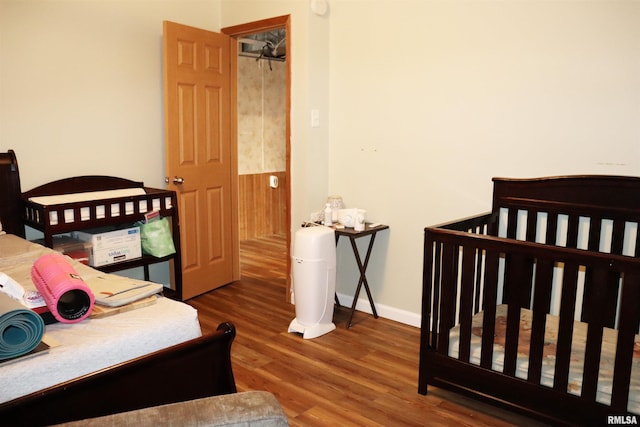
363, 278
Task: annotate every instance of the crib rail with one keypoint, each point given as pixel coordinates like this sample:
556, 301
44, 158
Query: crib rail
595, 213
481, 224
578, 227
465, 271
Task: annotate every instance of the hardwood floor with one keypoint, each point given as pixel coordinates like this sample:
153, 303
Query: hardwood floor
363, 376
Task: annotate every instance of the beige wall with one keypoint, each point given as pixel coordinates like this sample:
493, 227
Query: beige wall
421, 103
458, 92
81, 84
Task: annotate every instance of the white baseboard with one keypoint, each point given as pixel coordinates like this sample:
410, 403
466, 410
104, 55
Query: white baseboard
391, 313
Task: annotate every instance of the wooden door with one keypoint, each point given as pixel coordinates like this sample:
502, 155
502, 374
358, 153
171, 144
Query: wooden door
198, 153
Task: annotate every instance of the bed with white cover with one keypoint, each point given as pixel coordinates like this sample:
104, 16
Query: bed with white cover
93, 344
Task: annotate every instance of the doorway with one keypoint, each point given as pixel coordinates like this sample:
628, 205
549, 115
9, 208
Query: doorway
261, 109
262, 70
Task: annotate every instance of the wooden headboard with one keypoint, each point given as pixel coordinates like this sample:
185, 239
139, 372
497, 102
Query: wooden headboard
609, 204
606, 194
10, 195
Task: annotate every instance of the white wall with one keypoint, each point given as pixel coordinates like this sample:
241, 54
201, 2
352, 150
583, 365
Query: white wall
81, 85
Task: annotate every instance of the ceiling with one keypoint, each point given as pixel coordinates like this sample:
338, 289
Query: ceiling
267, 45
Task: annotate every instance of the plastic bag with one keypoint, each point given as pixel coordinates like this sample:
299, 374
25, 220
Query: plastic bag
156, 239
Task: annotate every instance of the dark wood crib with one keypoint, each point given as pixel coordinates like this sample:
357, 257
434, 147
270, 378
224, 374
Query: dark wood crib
536, 305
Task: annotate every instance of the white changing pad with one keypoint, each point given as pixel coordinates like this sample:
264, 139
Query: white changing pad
87, 196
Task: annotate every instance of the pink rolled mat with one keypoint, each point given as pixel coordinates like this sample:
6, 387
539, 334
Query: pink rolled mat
66, 294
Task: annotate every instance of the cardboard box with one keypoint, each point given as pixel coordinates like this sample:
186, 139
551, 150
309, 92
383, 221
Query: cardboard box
109, 246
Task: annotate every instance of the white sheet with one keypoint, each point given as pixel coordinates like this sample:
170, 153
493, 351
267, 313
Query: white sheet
605, 378
92, 344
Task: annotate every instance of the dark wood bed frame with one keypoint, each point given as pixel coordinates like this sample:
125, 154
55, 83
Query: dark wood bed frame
461, 276
197, 368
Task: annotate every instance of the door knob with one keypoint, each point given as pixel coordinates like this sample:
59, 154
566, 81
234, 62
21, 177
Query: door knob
178, 180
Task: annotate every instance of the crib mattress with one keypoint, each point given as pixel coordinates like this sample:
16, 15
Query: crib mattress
605, 378
92, 344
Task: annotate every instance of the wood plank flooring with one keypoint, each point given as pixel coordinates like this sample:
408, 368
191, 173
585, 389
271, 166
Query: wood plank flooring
363, 376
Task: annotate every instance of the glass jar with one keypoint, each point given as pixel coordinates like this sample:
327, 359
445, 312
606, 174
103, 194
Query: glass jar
335, 203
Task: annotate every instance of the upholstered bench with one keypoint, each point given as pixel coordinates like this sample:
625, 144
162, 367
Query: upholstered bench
246, 409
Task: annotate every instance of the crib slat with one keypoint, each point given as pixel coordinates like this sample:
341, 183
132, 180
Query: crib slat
478, 280
512, 223
448, 302
436, 262
430, 304
532, 222
466, 300
572, 231
429, 300
518, 290
511, 339
565, 326
552, 228
541, 302
594, 333
492, 224
629, 321
489, 308
617, 237
595, 228
428, 335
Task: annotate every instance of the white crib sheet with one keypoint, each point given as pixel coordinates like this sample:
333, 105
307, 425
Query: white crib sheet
605, 377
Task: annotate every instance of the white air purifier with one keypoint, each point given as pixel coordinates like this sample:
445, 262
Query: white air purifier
314, 281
